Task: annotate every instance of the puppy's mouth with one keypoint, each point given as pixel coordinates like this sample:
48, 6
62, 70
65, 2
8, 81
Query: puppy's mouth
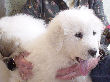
82, 68
78, 59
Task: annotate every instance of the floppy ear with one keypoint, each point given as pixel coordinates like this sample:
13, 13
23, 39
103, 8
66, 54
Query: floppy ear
55, 34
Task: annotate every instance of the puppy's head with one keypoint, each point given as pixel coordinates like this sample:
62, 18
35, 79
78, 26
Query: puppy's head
78, 32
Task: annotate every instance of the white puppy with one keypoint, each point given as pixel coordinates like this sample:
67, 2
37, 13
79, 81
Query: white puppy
14, 31
72, 35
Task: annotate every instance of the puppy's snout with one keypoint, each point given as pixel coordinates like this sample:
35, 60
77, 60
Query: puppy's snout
92, 52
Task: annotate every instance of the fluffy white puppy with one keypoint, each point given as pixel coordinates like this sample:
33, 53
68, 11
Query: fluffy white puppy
14, 31
72, 38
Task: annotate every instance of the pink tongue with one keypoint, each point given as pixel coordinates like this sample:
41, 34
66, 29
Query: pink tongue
87, 66
81, 69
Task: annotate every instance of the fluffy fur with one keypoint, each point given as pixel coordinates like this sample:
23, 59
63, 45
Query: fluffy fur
16, 31
57, 46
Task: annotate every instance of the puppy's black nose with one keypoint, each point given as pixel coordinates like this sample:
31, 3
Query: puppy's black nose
92, 52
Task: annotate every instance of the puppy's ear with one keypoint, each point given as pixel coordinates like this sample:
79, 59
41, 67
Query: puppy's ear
55, 34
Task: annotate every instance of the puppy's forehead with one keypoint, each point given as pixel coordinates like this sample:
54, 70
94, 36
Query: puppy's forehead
78, 25
79, 20
81, 23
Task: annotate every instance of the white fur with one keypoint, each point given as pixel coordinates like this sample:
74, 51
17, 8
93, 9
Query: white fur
22, 26
57, 47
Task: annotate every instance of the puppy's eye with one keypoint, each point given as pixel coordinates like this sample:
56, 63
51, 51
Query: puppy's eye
94, 33
79, 35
